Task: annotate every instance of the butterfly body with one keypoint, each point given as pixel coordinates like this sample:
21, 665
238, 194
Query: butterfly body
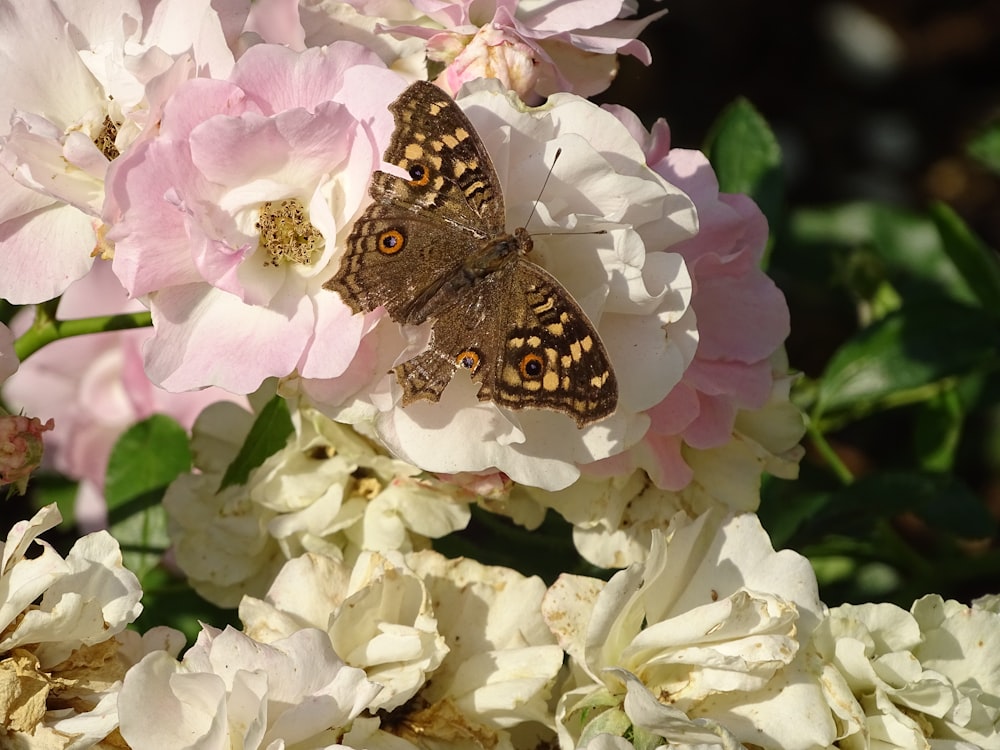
488, 264
435, 247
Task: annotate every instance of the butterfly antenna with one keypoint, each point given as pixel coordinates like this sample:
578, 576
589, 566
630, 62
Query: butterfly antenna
534, 206
545, 182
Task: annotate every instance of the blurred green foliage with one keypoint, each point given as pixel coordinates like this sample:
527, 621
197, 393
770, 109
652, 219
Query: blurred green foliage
896, 330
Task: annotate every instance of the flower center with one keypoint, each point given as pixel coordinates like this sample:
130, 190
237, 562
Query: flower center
286, 233
105, 140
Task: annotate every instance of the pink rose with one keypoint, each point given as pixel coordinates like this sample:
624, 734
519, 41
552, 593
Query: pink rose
742, 318
535, 49
227, 219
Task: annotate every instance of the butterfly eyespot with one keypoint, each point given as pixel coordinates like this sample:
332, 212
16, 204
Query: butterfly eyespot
391, 242
469, 359
532, 366
419, 175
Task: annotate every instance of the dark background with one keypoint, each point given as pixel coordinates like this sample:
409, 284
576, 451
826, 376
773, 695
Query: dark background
869, 100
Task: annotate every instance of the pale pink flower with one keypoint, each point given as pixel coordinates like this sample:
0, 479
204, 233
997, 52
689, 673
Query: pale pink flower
534, 47
729, 418
630, 294
318, 23
230, 215
95, 388
742, 321
106, 67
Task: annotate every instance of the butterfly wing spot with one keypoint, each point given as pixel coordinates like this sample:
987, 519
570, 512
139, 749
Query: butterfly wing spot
470, 359
391, 242
474, 188
418, 175
599, 380
451, 140
532, 366
576, 349
547, 305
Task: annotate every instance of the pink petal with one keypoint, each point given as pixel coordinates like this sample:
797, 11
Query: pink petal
43, 252
197, 342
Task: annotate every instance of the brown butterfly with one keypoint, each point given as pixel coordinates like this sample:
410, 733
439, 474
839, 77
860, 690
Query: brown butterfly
435, 247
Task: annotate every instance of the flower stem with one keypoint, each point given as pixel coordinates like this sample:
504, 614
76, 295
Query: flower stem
46, 328
838, 467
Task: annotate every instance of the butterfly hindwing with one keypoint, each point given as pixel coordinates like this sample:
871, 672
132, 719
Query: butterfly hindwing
526, 341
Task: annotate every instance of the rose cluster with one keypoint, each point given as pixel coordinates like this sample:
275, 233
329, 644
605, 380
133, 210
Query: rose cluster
201, 168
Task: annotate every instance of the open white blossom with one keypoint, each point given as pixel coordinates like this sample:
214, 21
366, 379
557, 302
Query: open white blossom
379, 618
461, 648
615, 513
927, 678
648, 723
603, 227
495, 683
711, 624
231, 692
330, 490
60, 660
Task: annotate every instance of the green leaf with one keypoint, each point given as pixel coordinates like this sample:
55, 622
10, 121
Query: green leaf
872, 243
943, 501
747, 159
939, 430
143, 462
784, 516
268, 435
743, 149
903, 357
985, 147
978, 264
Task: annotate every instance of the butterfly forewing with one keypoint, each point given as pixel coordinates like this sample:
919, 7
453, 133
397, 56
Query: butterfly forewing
395, 253
441, 139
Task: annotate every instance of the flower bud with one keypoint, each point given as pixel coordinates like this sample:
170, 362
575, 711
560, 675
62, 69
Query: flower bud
20, 448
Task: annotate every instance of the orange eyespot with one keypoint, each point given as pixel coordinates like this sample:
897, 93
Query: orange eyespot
419, 175
469, 359
532, 366
391, 241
